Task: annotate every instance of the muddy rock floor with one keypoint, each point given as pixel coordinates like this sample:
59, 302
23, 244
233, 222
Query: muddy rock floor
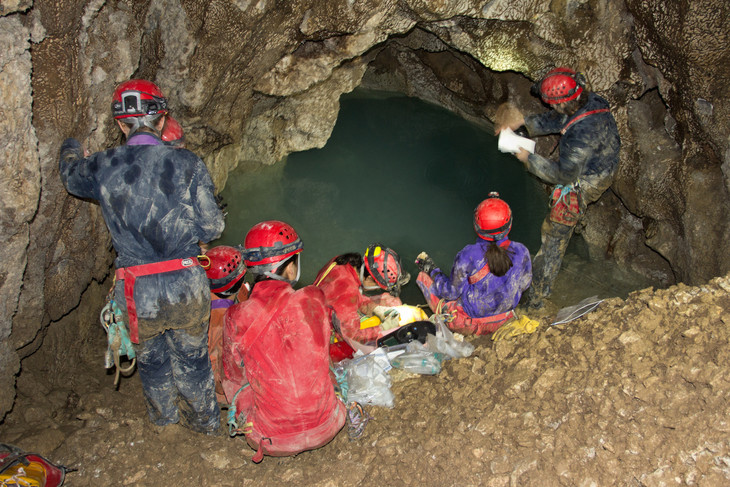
635, 393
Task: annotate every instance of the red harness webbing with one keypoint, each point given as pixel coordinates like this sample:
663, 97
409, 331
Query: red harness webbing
581, 117
482, 273
129, 276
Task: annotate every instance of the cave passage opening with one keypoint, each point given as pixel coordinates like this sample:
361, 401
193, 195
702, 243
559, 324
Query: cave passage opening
407, 174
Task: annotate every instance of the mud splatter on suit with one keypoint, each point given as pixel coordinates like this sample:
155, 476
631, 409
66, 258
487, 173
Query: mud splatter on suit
589, 155
490, 296
158, 204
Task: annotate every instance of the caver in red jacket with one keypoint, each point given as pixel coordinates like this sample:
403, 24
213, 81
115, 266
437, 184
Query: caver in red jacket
341, 287
282, 338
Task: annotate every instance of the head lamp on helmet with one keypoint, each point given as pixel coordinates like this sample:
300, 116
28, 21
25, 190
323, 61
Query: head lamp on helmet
384, 265
493, 218
138, 98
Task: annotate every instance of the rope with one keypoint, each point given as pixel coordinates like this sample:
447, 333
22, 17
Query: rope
232, 421
118, 342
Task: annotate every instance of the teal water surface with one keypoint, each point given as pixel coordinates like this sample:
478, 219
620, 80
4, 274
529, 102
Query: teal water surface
397, 171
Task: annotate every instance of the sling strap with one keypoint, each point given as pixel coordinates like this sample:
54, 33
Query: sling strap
577, 119
581, 117
129, 276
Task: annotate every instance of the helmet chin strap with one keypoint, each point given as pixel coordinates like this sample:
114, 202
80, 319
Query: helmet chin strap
148, 121
362, 281
273, 275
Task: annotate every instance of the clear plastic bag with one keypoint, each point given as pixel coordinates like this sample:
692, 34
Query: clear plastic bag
418, 360
368, 382
445, 343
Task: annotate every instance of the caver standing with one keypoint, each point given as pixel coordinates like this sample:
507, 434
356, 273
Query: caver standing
158, 204
589, 153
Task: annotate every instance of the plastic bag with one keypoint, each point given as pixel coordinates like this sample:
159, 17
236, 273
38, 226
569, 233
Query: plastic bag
445, 343
571, 313
368, 382
417, 359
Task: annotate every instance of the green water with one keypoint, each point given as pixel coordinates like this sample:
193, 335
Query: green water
400, 172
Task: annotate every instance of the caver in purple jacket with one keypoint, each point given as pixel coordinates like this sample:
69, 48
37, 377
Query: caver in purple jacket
492, 295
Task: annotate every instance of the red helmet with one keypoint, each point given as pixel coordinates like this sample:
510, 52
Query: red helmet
493, 218
225, 269
137, 98
560, 85
385, 267
268, 244
173, 132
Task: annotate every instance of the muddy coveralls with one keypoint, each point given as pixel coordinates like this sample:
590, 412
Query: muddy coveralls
277, 342
478, 301
158, 203
342, 290
589, 155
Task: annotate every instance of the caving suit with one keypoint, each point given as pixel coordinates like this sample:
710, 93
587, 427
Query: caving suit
158, 204
341, 287
277, 342
218, 308
478, 301
589, 155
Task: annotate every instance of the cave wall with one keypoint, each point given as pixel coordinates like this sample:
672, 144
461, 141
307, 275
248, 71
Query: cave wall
253, 81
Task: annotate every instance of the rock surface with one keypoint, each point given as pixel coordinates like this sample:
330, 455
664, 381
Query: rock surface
635, 393
253, 81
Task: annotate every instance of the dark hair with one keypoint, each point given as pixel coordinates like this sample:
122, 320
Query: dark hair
499, 259
352, 258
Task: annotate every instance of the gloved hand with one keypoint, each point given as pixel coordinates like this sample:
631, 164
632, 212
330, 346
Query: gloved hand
425, 263
389, 317
523, 326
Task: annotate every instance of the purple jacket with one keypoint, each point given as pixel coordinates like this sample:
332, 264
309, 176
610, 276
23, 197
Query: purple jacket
492, 295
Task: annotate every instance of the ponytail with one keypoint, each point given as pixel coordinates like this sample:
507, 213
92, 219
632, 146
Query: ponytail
498, 258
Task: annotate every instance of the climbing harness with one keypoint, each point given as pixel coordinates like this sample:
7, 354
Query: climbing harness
118, 340
130, 274
581, 117
324, 274
566, 206
577, 119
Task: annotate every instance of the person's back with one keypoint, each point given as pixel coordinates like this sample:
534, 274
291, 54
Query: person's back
158, 204
148, 194
488, 277
276, 352
287, 365
492, 294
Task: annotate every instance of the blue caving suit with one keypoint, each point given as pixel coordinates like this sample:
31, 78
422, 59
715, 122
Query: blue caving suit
491, 295
589, 156
158, 204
